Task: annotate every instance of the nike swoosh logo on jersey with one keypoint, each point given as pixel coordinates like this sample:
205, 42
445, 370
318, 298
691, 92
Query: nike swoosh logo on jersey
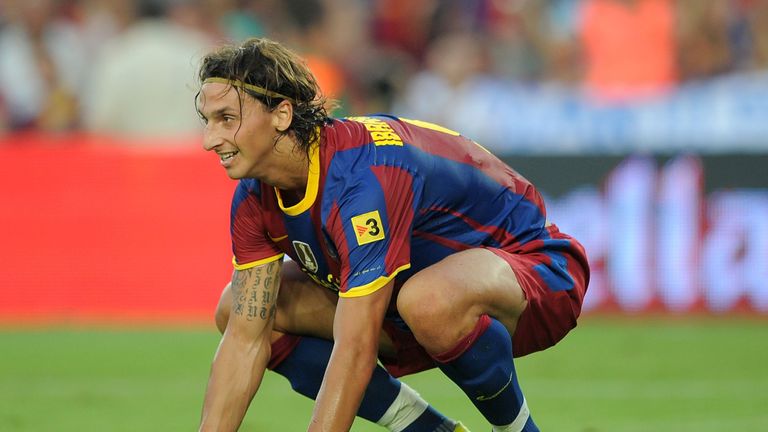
277, 239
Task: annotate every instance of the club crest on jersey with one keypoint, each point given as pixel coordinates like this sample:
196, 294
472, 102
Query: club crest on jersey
305, 255
368, 227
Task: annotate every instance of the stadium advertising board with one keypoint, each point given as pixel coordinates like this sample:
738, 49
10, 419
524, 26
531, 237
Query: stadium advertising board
125, 233
681, 233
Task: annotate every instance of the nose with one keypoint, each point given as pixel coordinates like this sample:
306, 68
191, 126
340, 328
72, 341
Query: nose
210, 140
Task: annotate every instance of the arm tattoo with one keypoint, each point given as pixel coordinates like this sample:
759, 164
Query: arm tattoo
238, 286
254, 292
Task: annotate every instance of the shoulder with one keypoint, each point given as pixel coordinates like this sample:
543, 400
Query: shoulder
345, 149
248, 186
344, 134
246, 190
374, 129
356, 139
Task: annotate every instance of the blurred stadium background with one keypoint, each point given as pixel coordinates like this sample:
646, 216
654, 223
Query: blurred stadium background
644, 123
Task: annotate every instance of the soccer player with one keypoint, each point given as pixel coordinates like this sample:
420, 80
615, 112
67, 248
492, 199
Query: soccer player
424, 249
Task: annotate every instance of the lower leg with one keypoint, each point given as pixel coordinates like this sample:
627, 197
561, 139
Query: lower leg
302, 360
482, 365
387, 401
441, 304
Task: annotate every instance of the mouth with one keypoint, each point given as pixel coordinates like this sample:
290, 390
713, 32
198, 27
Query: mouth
226, 157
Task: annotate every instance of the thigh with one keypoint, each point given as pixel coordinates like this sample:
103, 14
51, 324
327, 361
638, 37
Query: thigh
306, 308
303, 307
442, 303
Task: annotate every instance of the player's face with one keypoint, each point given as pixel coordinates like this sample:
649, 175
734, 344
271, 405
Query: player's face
240, 130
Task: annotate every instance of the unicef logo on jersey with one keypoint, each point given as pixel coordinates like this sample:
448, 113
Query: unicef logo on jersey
305, 255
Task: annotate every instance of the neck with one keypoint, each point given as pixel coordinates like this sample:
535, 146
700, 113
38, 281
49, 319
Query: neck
294, 170
297, 172
300, 188
291, 197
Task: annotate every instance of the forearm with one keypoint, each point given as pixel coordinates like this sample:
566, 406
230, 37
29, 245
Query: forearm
356, 330
344, 384
236, 374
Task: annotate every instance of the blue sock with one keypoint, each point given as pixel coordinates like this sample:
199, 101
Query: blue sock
305, 366
482, 366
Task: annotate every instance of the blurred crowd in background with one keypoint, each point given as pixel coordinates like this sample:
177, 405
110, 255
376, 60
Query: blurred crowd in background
127, 67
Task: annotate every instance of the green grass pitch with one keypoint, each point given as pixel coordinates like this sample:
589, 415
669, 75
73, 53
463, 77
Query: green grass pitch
609, 375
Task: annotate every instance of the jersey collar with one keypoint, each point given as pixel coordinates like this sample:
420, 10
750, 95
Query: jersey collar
313, 182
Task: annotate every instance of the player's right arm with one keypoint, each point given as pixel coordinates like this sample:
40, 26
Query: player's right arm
244, 350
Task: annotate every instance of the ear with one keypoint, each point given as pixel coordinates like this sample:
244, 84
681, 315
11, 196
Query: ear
282, 116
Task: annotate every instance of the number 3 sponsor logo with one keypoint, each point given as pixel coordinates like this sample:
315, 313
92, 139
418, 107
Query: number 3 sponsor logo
368, 227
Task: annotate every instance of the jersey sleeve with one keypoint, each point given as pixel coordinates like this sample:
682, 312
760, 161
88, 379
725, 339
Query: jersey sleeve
372, 228
250, 245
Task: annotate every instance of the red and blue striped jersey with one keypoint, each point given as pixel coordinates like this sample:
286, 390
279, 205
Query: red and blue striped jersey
387, 197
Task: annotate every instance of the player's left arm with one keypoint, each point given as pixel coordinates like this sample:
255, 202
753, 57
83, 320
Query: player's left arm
356, 330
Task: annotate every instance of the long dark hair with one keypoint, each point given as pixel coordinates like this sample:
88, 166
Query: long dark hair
267, 64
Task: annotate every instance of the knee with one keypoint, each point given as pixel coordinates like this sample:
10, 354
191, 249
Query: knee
221, 315
424, 307
222, 318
